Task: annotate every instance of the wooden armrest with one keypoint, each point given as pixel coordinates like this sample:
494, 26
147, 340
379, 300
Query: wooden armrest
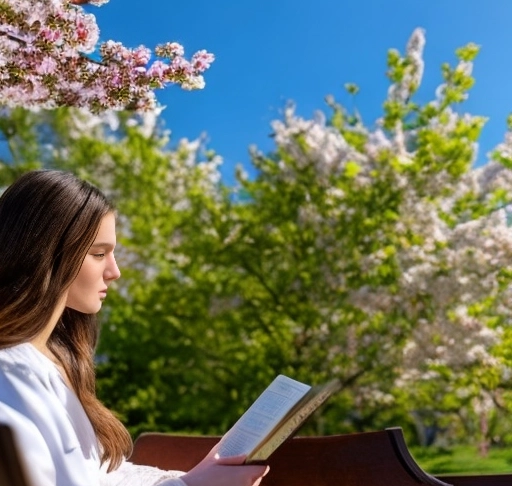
365, 459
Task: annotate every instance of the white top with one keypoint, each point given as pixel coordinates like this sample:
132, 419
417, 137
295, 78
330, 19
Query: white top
54, 435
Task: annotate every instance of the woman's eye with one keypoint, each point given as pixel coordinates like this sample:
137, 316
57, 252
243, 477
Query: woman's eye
99, 255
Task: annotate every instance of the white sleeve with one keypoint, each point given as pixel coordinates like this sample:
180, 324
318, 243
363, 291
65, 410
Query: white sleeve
129, 474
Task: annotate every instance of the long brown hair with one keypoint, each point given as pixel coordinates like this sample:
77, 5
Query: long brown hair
48, 221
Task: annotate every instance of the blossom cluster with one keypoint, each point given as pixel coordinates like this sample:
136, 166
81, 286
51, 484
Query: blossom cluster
47, 59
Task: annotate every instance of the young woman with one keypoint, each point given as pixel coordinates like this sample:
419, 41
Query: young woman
57, 241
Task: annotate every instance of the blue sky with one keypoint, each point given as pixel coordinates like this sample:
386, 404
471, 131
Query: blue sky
271, 51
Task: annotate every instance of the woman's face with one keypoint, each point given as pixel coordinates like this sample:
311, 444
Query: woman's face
99, 269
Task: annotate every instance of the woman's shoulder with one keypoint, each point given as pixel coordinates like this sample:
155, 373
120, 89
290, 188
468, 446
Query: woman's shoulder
24, 361
20, 353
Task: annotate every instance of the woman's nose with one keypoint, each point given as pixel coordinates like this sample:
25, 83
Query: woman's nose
112, 271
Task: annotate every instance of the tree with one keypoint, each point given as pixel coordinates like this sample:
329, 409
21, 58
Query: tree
376, 254
389, 254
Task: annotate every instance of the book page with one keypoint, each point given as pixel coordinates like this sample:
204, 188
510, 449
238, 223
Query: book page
294, 419
262, 416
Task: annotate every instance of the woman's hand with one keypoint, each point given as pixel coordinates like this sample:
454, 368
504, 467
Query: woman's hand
216, 471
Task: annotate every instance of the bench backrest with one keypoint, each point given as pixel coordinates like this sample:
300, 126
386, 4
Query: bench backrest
367, 459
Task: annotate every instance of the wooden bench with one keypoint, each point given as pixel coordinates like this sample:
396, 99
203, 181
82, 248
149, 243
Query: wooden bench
366, 459
11, 470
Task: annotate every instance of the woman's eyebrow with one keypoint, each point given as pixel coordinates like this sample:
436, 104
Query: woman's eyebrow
103, 245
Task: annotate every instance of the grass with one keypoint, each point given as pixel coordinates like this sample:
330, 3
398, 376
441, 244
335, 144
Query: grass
463, 460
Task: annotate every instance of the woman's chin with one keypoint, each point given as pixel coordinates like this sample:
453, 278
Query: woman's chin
87, 309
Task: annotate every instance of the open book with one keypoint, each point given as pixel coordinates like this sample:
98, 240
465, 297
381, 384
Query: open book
275, 415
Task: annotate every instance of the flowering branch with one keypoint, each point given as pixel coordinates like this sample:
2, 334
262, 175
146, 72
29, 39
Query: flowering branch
44, 62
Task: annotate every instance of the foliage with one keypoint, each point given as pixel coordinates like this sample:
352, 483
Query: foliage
379, 255
463, 460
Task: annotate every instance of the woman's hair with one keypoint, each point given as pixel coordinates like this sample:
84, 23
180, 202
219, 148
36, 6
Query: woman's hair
48, 221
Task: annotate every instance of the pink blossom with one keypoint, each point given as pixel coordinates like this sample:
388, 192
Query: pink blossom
202, 60
170, 49
158, 70
141, 56
47, 66
50, 35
